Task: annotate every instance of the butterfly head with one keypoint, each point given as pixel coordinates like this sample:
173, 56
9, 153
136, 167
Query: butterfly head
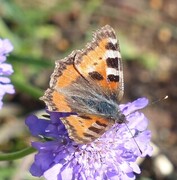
121, 119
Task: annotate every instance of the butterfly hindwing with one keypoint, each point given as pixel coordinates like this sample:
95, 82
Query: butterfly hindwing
85, 128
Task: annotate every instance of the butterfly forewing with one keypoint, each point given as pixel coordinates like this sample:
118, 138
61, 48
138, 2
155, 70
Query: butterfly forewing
63, 76
100, 62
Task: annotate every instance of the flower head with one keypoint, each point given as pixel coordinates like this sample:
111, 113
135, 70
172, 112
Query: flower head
112, 156
5, 69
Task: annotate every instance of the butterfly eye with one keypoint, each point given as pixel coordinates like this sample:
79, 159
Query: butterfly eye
121, 119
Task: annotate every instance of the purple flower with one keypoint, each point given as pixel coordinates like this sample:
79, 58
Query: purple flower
5, 69
112, 156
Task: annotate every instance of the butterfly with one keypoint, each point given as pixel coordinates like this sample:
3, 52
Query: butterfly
90, 83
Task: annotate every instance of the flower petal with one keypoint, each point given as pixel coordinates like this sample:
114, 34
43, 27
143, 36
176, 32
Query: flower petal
53, 172
6, 69
37, 126
134, 106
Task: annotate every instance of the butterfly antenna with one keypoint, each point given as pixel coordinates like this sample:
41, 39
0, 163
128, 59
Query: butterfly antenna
133, 138
158, 100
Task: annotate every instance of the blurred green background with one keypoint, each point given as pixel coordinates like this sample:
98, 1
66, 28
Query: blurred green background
43, 31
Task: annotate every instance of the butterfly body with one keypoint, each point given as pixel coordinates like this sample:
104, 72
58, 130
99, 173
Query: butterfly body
89, 82
84, 99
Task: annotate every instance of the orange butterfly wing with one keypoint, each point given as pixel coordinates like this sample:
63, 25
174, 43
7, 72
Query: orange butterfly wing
100, 62
63, 75
85, 128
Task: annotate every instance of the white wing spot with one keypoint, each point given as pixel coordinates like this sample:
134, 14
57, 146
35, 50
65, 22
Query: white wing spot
112, 71
112, 54
113, 41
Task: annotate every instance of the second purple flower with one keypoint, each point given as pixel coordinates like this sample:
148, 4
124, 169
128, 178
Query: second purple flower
5, 70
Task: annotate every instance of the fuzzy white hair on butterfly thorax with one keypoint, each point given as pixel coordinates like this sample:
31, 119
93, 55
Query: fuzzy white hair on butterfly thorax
87, 98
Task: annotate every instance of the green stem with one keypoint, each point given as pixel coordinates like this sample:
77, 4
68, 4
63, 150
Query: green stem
16, 155
26, 87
